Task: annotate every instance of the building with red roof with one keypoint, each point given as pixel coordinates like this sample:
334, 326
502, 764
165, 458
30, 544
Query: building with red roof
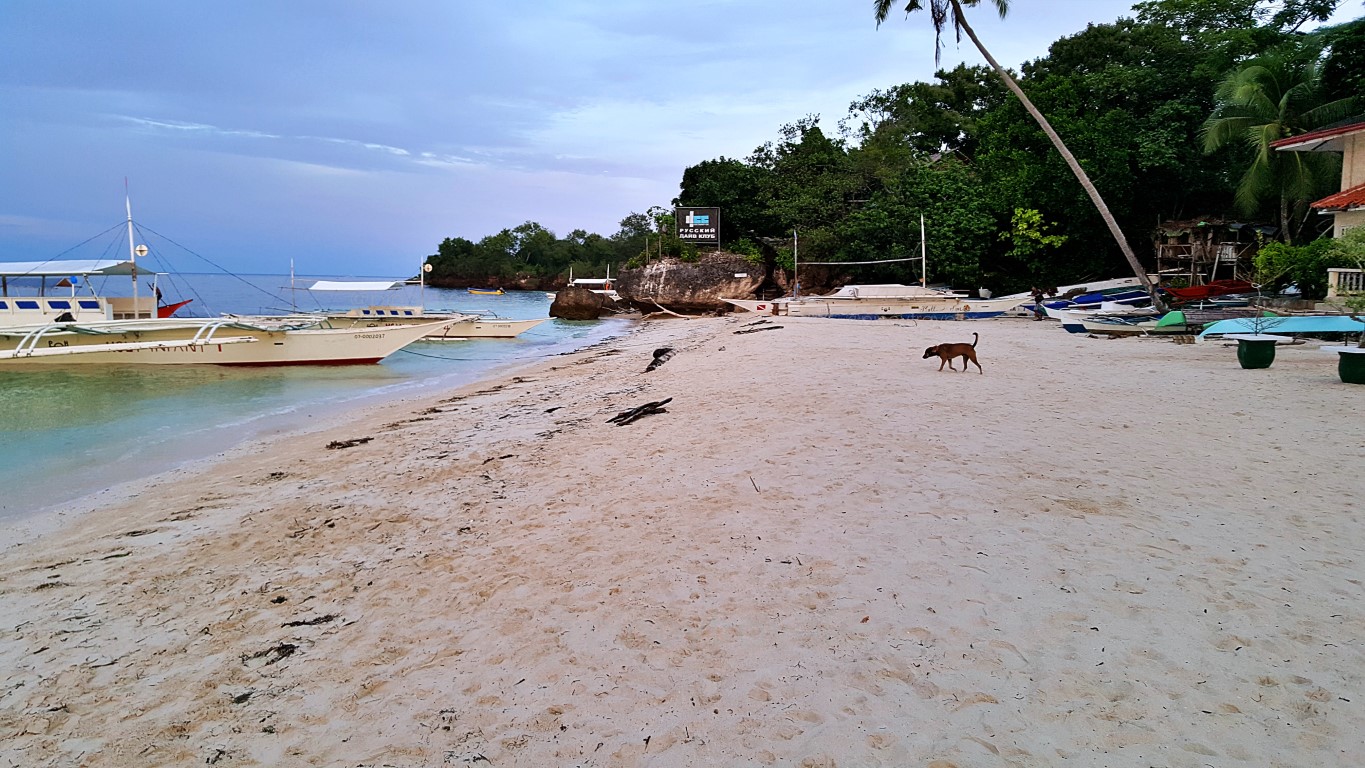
1347, 206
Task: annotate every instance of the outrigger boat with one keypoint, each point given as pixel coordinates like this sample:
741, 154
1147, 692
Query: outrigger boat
888, 300
300, 340
461, 325
93, 329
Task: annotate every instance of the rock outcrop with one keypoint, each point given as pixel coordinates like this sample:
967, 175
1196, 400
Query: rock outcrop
690, 287
578, 303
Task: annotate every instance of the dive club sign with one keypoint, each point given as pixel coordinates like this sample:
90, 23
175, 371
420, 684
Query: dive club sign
698, 225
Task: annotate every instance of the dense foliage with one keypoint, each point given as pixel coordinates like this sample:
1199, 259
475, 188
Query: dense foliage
1168, 112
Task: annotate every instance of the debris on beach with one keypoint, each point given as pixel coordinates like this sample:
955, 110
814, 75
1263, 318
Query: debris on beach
269, 656
313, 622
338, 444
626, 417
756, 330
661, 356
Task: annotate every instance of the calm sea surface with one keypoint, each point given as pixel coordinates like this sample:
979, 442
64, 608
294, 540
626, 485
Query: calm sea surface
68, 431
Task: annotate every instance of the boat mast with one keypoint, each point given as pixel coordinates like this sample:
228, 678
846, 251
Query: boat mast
923, 256
132, 252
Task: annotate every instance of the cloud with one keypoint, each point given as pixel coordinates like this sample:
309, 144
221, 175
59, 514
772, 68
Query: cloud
321, 126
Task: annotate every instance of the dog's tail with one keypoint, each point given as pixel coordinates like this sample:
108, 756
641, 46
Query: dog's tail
975, 338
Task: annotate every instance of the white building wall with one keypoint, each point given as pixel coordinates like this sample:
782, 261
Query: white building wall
1352, 175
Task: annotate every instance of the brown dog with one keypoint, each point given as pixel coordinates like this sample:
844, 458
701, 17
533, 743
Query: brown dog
946, 353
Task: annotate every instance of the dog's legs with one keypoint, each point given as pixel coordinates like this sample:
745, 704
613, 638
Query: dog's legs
978, 367
941, 362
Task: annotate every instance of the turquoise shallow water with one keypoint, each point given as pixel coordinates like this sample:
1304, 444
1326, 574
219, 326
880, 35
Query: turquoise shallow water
69, 431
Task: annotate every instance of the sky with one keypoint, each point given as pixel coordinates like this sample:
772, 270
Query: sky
352, 137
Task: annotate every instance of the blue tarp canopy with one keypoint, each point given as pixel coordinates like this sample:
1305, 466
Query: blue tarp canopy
1280, 325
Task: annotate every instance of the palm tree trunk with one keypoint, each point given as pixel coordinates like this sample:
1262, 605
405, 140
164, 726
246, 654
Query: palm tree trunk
1285, 235
1070, 159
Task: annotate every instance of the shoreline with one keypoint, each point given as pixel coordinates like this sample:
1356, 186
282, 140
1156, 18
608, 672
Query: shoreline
302, 418
825, 551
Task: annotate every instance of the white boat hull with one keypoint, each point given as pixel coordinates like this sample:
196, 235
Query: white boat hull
920, 308
460, 327
948, 308
202, 342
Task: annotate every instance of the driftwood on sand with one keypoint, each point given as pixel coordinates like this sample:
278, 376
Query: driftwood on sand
661, 356
626, 417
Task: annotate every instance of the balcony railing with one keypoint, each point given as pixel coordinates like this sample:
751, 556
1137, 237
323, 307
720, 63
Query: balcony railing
1343, 281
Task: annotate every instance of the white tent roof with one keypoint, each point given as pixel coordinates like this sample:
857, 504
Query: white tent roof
347, 285
59, 268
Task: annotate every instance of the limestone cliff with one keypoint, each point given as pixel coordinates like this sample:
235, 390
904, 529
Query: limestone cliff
691, 287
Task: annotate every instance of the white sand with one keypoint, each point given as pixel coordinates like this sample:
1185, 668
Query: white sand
826, 552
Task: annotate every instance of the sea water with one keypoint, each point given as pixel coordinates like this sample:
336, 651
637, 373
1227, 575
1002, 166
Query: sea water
67, 431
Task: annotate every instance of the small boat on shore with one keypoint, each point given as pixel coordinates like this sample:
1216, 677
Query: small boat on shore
883, 301
1210, 290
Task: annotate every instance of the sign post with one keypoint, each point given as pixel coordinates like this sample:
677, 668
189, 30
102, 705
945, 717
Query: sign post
698, 225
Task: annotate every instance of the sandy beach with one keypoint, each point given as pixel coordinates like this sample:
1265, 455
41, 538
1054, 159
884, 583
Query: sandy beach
825, 552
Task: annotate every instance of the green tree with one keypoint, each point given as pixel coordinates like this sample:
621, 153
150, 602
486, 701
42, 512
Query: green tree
1271, 97
1227, 32
1343, 71
942, 12
959, 227
917, 120
1147, 162
1029, 236
734, 187
807, 184
1305, 266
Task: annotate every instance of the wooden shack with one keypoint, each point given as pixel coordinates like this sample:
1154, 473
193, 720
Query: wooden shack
1199, 251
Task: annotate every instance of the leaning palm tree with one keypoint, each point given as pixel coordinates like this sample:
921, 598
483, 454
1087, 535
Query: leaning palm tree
941, 12
1272, 97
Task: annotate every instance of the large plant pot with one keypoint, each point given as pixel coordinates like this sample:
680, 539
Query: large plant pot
1255, 352
1351, 365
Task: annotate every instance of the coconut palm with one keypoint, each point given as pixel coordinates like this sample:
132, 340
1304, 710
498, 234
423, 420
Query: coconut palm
1271, 97
941, 12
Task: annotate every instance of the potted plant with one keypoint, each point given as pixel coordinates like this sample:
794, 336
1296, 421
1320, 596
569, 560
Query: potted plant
1350, 247
1351, 360
1257, 348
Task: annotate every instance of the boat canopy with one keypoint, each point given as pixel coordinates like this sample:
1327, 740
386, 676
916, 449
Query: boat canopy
348, 285
68, 268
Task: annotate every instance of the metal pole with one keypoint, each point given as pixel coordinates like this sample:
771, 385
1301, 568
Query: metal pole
796, 266
132, 252
923, 256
